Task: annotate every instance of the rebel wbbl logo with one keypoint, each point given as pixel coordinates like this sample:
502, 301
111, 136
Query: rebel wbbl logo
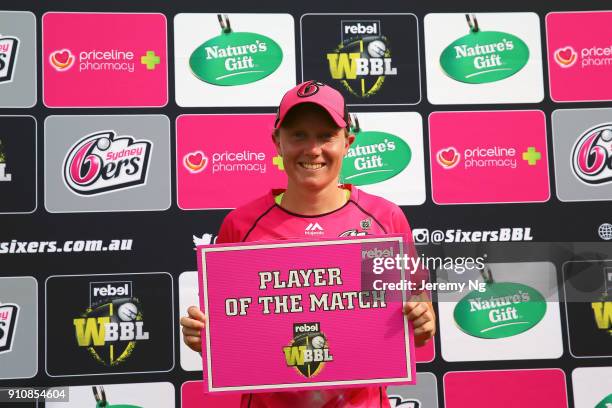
103, 162
113, 324
363, 59
8, 55
8, 321
308, 351
592, 155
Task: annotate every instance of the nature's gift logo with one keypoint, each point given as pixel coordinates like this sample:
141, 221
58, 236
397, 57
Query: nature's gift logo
103, 162
565, 57
592, 155
102, 402
375, 157
308, 351
8, 321
61, 60
195, 162
112, 325
235, 58
8, 55
503, 310
484, 56
605, 403
448, 158
363, 58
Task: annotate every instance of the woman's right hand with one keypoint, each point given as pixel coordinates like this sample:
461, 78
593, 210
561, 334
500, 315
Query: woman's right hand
193, 324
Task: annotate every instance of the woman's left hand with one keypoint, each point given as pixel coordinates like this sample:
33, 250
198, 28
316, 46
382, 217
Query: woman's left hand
423, 319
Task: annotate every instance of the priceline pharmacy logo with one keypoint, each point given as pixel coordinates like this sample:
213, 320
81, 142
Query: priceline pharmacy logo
591, 57
495, 156
516, 234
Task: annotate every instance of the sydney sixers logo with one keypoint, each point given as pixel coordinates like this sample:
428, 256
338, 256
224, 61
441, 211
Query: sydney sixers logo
309, 88
592, 155
103, 162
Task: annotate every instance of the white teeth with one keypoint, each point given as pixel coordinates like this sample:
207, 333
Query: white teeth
312, 166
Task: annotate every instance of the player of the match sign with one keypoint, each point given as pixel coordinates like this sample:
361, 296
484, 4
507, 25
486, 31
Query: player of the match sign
303, 315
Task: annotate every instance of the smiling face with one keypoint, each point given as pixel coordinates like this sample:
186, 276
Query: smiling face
312, 147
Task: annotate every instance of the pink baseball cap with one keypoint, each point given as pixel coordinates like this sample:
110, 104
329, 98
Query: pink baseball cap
318, 93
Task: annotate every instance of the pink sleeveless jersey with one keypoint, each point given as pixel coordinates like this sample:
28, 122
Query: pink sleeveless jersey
263, 219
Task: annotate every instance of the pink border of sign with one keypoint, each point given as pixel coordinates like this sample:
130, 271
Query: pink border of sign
384, 366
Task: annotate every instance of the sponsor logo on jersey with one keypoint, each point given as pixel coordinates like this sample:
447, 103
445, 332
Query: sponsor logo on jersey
308, 351
103, 162
314, 228
113, 324
9, 47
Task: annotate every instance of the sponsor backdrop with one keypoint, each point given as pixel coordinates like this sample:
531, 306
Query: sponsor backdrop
128, 131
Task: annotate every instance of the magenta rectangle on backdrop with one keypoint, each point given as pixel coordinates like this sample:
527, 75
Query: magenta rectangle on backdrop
303, 315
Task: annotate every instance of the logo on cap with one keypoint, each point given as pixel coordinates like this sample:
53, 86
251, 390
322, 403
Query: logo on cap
309, 88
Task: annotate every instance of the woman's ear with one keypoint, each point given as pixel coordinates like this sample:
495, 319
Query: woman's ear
350, 138
276, 141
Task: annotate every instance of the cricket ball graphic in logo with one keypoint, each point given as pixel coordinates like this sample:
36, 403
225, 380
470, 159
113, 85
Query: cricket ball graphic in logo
592, 155
112, 325
61, 60
448, 158
308, 351
362, 60
8, 55
103, 162
565, 57
8, 321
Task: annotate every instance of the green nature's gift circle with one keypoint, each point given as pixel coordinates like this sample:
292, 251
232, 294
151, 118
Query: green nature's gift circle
236, 58
375, 157
484, 56
504, 309
605, 403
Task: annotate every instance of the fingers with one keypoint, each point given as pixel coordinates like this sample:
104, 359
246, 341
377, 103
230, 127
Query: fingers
195, 320
195, 313
414, 310
423, 319
194, 343
426, 331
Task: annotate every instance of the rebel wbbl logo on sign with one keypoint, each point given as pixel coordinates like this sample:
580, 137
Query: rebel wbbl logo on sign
369, 58
308, 351
8, 55
8, 319
104, 161
99, 324
592, 155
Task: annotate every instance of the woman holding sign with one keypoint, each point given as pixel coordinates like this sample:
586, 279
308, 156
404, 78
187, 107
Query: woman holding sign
312, 135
